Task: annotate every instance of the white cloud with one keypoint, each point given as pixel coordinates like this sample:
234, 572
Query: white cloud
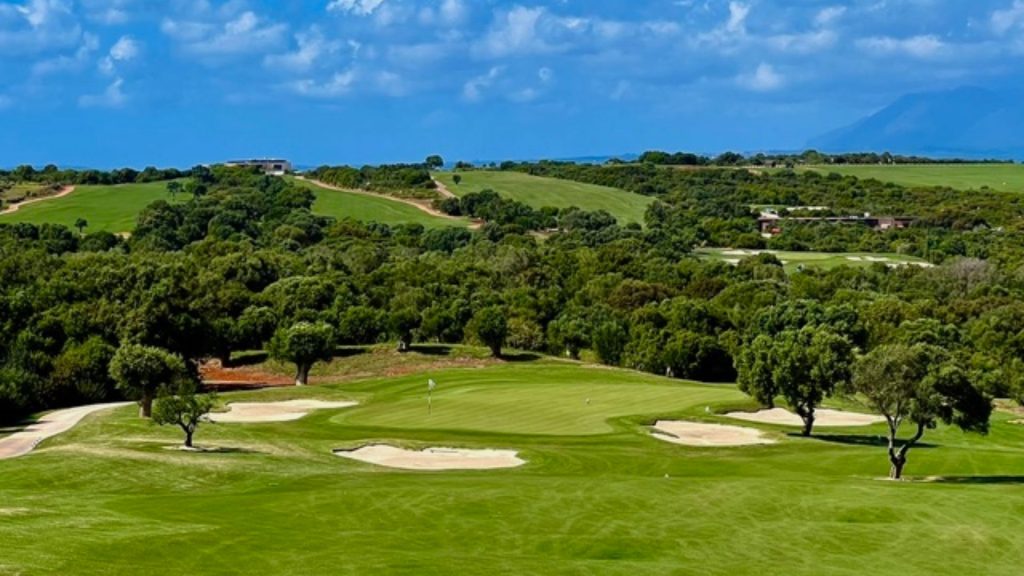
312, 47
1003, 21
515, 32
473, 90
924, 46
763, 79
125, 50
37, 26
737, 23
243, 34
112, 97
732, 31
340, 84
829, 15
545, 74
357, 7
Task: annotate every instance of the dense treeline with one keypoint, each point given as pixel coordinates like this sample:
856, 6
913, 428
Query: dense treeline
246, 265
808, 157
51, 174
392, 178
512, 216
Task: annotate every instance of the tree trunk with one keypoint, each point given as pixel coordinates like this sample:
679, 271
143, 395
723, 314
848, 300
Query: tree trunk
898, 457
146, 405
403, 345
302, 374
496, 351
188, 438
807, 415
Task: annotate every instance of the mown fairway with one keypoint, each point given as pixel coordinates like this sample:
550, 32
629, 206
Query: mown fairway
540, 192
370, 208
793, 260
107, 498
1003, 177
107, 208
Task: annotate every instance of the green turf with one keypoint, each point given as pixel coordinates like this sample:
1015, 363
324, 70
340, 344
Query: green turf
106, 208
598, 495
1003, 177
339, 204
827, 260
540, 192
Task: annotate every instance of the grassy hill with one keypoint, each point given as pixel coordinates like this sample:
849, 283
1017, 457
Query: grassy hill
793, 260
597, 496
376, 208
109, 208
540, 192
1002, 177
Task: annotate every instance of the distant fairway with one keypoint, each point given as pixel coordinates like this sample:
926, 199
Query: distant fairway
540, 192
598, 495
373, 208
1002, 177
793, 260
106, 208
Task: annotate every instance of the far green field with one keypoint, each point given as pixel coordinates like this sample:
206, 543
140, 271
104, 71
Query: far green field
1002, 177
540, 192
794, 260
369, 208
598, 494
106, 208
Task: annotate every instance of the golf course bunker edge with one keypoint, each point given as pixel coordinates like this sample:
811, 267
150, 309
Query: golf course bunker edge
288, 411
433, 459
823, 418
702, 434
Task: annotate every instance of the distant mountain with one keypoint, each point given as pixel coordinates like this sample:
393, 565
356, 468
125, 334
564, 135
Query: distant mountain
966, 122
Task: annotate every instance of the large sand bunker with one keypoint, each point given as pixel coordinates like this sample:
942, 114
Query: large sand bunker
700, 434
255, 412
24, 441
823, 418
434, 458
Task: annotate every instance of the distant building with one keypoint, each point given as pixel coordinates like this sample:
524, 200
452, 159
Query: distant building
274, 167
770, 225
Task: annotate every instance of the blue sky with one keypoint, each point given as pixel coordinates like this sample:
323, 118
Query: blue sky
175, 82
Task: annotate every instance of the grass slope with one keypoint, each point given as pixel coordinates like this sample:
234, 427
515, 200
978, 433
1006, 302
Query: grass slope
370, 208
109, 208
827, 260
1002, 177
540, 192
598, 496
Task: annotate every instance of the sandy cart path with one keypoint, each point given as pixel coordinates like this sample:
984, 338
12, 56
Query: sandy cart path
50, 425
15, 207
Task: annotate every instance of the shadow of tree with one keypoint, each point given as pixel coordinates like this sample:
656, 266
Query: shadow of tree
978, 480
856, 440
432, 349
521, 357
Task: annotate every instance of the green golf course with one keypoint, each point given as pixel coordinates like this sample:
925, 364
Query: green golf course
1001, 177
598, 494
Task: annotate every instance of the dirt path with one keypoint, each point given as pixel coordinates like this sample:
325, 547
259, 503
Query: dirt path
52, 424
445, 192
15, 207
421, 205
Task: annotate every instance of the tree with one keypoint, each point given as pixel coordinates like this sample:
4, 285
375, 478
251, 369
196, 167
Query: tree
457, 179
491, 327
183, 408
195, 189
569, 333
81, 224
803, 366
173, 188
609, 341
921, 385
303, 344
140, 371
434, 162
401, 323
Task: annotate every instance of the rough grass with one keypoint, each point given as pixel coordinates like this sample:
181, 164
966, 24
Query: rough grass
369, 208
1002, 177
828, 260
106, 208
598, 496
540, 192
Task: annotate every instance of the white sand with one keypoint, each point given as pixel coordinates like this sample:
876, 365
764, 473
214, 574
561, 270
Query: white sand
823, 417
434, 458
699, 434
255, 412
855, 258
52, 424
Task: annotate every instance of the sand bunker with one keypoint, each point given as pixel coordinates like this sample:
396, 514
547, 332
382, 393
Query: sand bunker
255, 412
699, 434
52, 424
433, 458
822, 418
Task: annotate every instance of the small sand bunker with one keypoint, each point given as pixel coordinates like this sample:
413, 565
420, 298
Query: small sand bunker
434, 458
822, 418
699, 434
255, 412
